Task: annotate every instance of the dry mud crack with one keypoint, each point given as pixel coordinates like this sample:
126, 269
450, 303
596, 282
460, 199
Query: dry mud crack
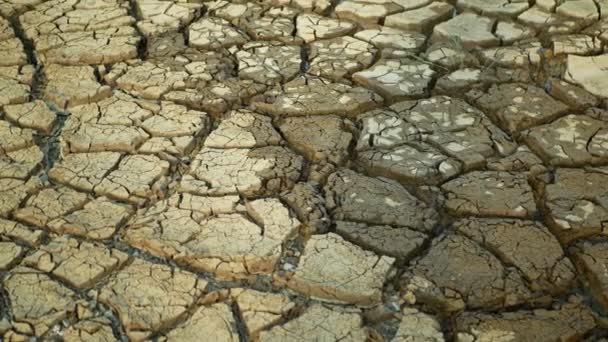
304, 170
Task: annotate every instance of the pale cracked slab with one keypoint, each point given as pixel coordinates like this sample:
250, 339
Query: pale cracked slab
215, 322
69, 86
442, 278
589, 72
376, 201
516, 243
137, 179
490, 194
13, 137
471, 29
35, 115
213, 33
311, 27
339, 57
397, 79
401, 242
260, 310
211, 235
494, 8
37, 302
576, 205
90, 328
243, 129
574, 140
84, 171
393, 42
12, 91
576, 44
159, 17
67, 32
20, 164
80, 264
421, 19
21, 233
49, 204
451, 125
11, 48
149, 297
518, 106
592, 257
568, 322
249, 172
316, 96
318, 138
97, 220
268, 63
335, 270
416, 325
14, 191
156, 79
319, 323
523, 55
370, 13
9, 254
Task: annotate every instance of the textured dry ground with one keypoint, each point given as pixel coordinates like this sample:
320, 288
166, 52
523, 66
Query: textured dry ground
304, 170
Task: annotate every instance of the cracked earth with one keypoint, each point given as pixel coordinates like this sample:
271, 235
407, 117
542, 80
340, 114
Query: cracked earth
304, 170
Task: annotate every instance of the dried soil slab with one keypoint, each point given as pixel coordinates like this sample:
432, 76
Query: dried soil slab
576, 97
549, 22
339, 57
149, 297
393, 42
316, 6
365, 13
9, 254
418, 326
316, 97
397, 79
571, 321
521, 55
260, 310
154, 79
160, 17
517, 106
21, 233
490, 194
376, 201
84, 171
214, 33
49, 204
37, 302
574, 140
412, 163
590, 73
268, 63
80, 264
472, 30
69, 86
123, 123
576, 203
11, 48
69, 32
274, 28
9, 7
401, 243
14, 191
494, 8
90, 329
216, 322
97, 220
12, 91
454, 127
249, 172
319, 323
306, 200
323, 138
20, 164
457, 273
421, 19
522, 160
35, 115
516, 242
576, 44
209, 234
243, 129
592, 257
13, 138
311, 27
335, 270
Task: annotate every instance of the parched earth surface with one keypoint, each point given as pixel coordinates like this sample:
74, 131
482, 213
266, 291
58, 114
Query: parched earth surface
304, 170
